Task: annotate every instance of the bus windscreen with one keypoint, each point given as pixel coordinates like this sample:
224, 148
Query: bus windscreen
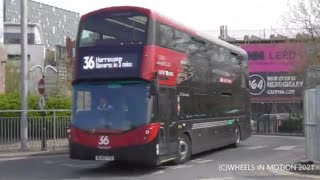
110, 106
113, 28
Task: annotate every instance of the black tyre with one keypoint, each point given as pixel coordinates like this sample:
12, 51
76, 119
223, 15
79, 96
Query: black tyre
237, 135
184, 149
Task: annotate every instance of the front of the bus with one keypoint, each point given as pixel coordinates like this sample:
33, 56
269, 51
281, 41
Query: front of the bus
112, 102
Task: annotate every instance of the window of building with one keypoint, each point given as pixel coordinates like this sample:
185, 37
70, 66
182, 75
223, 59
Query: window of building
15, 38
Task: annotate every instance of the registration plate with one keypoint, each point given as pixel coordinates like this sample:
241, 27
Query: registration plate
104, 158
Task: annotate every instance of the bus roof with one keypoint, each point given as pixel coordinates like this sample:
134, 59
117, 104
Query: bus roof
165, 20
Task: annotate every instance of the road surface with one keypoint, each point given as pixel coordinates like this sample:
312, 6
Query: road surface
259, 157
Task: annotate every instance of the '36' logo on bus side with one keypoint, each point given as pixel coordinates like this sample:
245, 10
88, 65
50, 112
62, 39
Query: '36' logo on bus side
104, 140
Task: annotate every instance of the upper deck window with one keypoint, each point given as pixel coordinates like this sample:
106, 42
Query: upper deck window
115, 28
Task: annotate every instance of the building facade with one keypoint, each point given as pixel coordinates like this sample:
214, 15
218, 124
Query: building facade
56, 23
48, 28
36, 55
278, 75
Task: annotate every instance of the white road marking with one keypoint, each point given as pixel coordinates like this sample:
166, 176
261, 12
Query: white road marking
12, 159
66, 164
48, 162
77, 178
158, 172
285, 148
219, 178
204, 161
256, 147
181, 166
197, 160
79, 165
84, 165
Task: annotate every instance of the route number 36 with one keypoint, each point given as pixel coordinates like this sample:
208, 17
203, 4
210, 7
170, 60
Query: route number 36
104, 140
88, 62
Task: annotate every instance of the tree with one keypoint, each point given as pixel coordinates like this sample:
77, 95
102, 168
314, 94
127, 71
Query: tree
12, 74
303, 19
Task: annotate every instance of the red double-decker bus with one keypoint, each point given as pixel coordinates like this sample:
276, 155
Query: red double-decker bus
149, 90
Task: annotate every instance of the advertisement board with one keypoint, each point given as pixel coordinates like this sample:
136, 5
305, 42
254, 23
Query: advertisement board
275, 84
278, 57
273, 69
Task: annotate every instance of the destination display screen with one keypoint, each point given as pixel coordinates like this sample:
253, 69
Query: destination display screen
98, 65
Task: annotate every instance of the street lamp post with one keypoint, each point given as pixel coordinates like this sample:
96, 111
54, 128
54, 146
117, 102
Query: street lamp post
24, 77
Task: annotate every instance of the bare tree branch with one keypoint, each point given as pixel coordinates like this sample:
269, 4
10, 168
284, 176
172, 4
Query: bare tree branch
303, 20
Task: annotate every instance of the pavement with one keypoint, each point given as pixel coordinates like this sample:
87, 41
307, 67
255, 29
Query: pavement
258, 151
25, 154
307, 168
33, 145
279, 134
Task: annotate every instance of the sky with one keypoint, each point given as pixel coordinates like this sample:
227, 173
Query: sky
203, 15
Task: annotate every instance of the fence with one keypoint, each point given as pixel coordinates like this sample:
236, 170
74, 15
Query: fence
46, 129
278, 123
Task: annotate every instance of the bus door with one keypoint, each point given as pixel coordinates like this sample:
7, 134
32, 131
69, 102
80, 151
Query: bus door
167, 110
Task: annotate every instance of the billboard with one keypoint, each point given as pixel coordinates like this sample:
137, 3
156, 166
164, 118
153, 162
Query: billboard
273, 67
275, 84
277, 57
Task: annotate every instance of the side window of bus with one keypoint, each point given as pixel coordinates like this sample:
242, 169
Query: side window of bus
172, 104
181, 41
89, 38
165, 36
244, 74
167, 104
162, 101
171, 38
187, 108
201, 107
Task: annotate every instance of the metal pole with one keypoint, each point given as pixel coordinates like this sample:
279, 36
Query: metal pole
24, 76
310, 111
54, 130
317, 144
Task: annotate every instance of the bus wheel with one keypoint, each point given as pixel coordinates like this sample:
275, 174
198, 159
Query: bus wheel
184, 149
237, 137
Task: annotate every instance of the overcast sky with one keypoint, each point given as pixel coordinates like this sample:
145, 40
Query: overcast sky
200, 14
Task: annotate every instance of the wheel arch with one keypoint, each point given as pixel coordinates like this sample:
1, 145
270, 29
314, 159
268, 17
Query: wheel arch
188, 135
